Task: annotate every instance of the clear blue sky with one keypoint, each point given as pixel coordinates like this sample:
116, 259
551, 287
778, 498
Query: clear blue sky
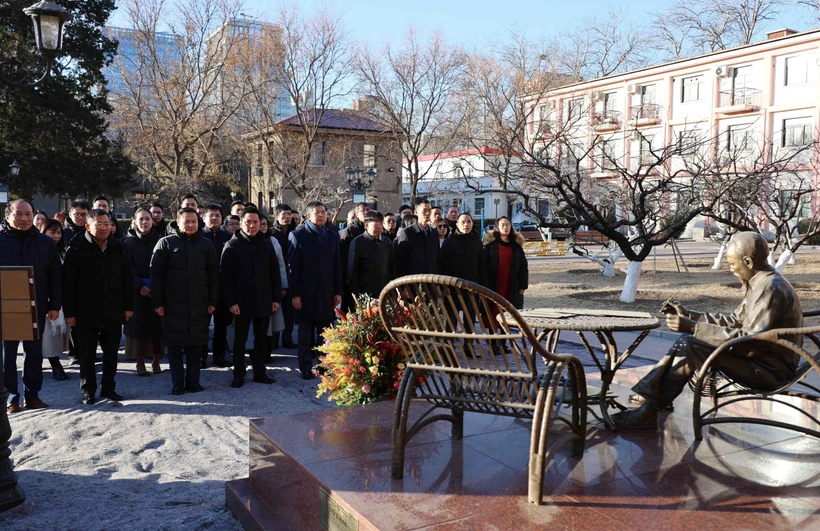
476, 21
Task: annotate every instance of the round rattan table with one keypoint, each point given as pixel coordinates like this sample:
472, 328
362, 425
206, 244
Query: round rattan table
550, 322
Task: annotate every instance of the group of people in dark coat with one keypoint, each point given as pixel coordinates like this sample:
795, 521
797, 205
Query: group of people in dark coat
162, 282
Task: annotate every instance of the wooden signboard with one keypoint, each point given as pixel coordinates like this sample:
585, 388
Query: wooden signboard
18, 304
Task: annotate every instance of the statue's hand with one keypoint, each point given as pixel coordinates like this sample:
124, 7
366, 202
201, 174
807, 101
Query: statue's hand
678, 323
673, 308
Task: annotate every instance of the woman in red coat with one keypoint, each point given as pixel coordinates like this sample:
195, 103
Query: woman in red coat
506, 264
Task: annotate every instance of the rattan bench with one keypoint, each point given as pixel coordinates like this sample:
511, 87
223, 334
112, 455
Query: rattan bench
724, 392
458, 364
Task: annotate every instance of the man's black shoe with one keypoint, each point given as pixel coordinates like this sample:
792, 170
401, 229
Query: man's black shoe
88, 398
111, 395
222, 363
288, 344
203, 364
177, 391
194, 389
639, 399
237, 382
308, 376
263, 378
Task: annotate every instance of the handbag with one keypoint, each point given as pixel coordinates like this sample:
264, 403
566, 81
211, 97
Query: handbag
277, 322
230, 336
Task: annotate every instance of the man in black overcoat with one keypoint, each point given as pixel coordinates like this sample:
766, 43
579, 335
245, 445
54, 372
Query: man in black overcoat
370, 264
282, 226
185, 292
416, 248
353, 230
314, 278
21, 244
98, 298
218, 237
252, 287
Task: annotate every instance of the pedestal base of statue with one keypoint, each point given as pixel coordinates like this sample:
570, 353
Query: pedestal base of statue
330, 469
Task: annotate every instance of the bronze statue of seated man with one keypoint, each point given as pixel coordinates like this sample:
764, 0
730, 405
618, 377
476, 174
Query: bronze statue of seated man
769, 303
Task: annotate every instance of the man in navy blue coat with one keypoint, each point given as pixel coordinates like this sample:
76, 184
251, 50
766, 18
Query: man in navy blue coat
22, 245
314, 278
416, 248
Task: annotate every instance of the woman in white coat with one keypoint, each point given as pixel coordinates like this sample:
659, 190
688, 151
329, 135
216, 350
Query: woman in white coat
277, 321
56, 333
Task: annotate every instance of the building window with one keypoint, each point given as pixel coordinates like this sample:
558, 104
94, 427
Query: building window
797, 132
611, 101
647, 156
797, 70
691, 89
575, 110
259, 202
369, 156
317, 154
648, 94
687, 144
739, 138
479, 206
789, 200
260, 171
608, 155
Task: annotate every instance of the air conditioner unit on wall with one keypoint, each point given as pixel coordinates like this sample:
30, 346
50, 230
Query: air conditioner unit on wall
635, 136
633, 88
723, 71
597, 96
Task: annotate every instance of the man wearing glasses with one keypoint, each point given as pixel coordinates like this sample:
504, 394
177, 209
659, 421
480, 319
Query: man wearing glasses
75, 222
98, 298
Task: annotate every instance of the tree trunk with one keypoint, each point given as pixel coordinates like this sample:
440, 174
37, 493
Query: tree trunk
786, 257
633, 276
721, 254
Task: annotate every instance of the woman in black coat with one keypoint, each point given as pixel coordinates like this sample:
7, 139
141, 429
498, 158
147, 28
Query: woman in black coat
461, 257
143, 332
460, 254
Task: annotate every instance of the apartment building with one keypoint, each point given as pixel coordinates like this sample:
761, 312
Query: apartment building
743, 100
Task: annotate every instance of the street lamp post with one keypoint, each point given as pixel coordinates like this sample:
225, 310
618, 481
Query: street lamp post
359, 181
496, 201
49, 20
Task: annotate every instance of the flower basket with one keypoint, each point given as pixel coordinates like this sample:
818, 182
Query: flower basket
361, 363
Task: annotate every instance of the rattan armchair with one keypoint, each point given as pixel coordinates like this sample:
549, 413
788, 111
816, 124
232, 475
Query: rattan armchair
460, 364
723, 391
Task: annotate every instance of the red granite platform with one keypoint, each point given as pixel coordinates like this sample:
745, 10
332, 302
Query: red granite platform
738, 477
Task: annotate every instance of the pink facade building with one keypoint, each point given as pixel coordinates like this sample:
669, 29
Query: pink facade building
748, 98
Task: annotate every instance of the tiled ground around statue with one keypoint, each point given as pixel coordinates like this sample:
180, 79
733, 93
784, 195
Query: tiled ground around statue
738, 477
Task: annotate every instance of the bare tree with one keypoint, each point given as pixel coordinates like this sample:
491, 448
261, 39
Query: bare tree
691, 27
600, 46
308, 60
777, 202
812, 6
180, 92
643, 196
412, 89
503, 92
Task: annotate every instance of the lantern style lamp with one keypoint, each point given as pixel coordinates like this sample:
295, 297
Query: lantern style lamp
49, 19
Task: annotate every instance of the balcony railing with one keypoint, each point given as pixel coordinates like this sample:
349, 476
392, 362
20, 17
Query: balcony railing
606, 119
742, 97
645, 112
